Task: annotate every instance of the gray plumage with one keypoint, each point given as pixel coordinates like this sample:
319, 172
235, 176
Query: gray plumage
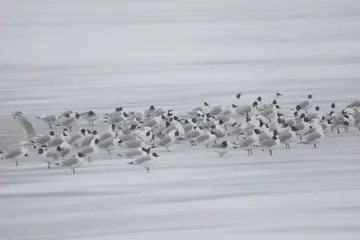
64, 152
165, 141
128, 137
106, 143
266, 112
192, 134
65, 113
105, 136
246, 143
300, 126
136, 143
115, 119
225, 112
53, 155
158, 112
202, 138
70, 161
67, 121
42, 139
218, 145
87, 140
284, 136
25, 125
132, 153
55, 142
150, 123
73, 139
355, 103
142, 160
215, 110
87, 150
268, 143
304, 104
187, 127
224, 118
13, 153
312, 137
218, 133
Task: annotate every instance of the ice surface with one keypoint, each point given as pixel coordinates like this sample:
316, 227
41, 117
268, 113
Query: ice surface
86, 54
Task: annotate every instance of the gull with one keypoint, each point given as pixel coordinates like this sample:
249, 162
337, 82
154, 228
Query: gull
192, 134
221, 148
41, 140
72, 162
270, 144
147, 161
288, 136
168, 140
68, 120
138, 152
249, 142
315, 136
90, 116
87, 140
48, 119
206, 139
88, 151
132, 144
307, 104
48, 157
25, 124
108, 145
14, 154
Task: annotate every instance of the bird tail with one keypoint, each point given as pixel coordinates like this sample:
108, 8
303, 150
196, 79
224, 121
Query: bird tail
131, 163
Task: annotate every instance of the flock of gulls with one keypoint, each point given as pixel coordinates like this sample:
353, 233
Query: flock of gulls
136, 135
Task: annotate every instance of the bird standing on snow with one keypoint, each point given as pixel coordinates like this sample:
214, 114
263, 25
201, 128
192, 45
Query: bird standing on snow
147, 161
14, 154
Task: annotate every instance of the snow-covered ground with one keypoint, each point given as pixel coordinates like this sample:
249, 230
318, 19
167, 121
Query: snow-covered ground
80, 54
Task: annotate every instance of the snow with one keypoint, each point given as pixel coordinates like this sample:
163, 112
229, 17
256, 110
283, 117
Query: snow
59, 55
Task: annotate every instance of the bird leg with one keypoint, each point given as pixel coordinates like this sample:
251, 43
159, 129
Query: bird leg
300, 137
49, 164
147, 169
89, 123
315, 145
73, 170
17, 164
89, 159
70, 128
251, 152
338, 130
109, 152
248, 152
270, 152
167, 149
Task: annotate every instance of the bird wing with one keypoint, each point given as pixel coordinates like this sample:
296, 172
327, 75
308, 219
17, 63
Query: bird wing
202, 138
166, 140
284, 136
70, 161
268, 143
87, 140
133, 143
13, 153
247, 142
25, 125
42, 139
87, 150
313, 136
106, 143
142, 160
105, 136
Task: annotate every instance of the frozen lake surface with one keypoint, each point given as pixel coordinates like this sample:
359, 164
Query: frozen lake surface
81, 55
